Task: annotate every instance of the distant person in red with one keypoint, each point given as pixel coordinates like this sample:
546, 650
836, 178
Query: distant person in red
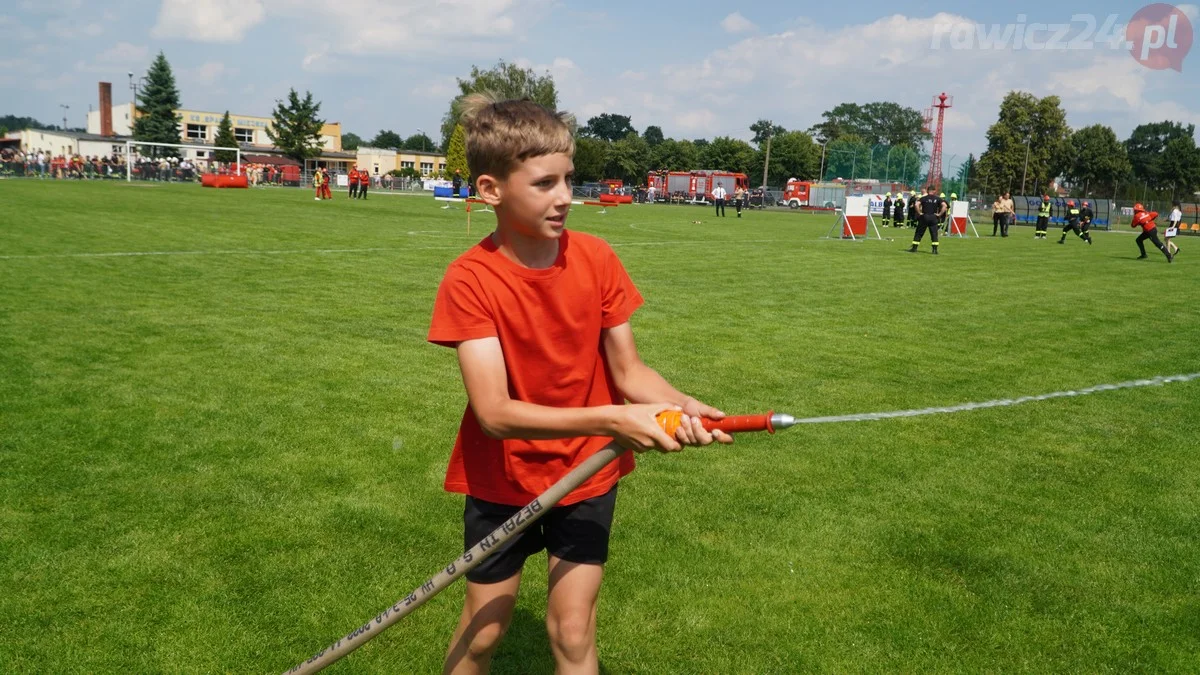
1145, 220
364, 181
353, 182
325, 191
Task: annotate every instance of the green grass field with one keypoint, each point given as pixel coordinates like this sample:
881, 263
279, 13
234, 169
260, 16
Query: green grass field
225, 457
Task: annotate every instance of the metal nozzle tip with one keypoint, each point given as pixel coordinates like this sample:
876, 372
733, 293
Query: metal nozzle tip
781, 421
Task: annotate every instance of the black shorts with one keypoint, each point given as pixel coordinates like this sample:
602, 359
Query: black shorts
576, 533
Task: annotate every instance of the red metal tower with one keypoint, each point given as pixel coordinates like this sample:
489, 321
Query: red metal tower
940, 102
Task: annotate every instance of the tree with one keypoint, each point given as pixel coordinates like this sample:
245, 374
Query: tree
673, 155
225, 139
1145, 148
730, 154
847, 157
1096, 161
653, 135
608, 127
763, 129
793, 155
504, 80
628, 159
157, 102
387, 139
456, 155
295, 128
13, 123
879, 123
351, 141
1181, 167
420, 142
1027, 145
591, 157
3, 131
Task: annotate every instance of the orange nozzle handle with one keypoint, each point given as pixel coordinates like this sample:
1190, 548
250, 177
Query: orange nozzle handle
669, 420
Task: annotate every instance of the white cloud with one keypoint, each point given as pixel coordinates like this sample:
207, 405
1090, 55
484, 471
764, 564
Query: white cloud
211, 21
370, 27
736, 23
123, 53
697, 121
211, 72
794, 75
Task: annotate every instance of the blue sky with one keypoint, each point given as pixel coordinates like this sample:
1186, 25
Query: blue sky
697, 69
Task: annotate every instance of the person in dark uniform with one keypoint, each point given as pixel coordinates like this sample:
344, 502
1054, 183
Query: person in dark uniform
912, 208
1045, 211
1072, 224
943, 213
1085, 222
898, 213
457, 182
931, 209
887, 209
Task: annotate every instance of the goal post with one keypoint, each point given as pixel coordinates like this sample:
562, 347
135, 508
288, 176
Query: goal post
130, 144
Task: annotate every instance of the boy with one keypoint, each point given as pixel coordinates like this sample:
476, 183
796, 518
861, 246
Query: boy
539, 316
1145, 220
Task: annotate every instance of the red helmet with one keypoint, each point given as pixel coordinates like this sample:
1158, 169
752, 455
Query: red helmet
1070, 202
1138, 207
1085, 203
1045, 198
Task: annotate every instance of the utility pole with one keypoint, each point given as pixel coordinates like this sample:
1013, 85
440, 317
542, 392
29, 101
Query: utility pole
65, 108
767, 161
1025, 171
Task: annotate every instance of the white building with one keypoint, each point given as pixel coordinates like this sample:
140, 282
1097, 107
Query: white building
68, 143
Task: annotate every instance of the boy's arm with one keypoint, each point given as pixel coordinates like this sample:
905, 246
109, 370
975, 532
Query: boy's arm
486, 379
642, 384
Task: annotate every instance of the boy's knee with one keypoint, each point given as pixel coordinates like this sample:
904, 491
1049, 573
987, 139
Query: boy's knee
572, 633
484, 640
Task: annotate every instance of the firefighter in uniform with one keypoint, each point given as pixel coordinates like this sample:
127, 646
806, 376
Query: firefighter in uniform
932, 209
912, 208
353, 178
898, 211
1045, 211
1085, 222
1072, 224
1145, 220
942, 213
887, 209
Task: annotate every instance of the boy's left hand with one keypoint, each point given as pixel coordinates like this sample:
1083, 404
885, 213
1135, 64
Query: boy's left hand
692, 432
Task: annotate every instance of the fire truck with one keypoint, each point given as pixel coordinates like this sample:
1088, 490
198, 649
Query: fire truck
695, 186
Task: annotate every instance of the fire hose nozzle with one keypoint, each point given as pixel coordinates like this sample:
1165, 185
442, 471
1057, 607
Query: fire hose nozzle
671, 419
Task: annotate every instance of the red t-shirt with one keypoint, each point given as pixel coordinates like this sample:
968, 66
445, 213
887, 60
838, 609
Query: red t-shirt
354, 178
548, 322
364, 177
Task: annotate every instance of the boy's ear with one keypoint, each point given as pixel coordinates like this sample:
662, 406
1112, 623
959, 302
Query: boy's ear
488, 188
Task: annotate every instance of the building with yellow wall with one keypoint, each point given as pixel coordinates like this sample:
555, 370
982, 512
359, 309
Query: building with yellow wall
383, 160
200, 127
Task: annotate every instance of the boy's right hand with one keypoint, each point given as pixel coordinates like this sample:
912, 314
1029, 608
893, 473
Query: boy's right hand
635, 427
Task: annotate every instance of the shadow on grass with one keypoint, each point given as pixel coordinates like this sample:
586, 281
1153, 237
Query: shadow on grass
526, 647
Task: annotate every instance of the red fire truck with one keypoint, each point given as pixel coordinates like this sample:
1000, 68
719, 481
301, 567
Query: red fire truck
694, 185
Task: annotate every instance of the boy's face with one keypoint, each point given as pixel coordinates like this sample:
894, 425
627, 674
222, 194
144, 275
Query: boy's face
534, 199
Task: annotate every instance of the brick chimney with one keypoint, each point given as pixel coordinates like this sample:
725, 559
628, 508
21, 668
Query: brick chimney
106, 109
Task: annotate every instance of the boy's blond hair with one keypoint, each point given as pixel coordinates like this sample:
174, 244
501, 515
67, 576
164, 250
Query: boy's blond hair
502, 134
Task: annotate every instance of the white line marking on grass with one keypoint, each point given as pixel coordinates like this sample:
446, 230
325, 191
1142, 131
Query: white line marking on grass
998, 403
